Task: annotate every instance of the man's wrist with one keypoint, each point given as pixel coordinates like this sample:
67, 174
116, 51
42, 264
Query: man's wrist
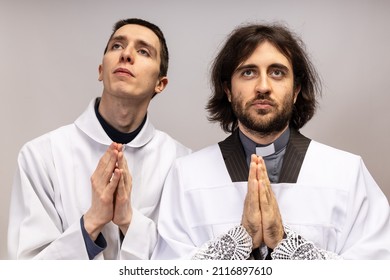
91, 228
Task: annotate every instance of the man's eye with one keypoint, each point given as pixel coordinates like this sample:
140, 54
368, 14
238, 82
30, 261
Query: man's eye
116, 46
248, 73
278, 73
143, 52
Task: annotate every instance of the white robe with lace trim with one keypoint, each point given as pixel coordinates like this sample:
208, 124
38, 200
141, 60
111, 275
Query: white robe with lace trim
335, 204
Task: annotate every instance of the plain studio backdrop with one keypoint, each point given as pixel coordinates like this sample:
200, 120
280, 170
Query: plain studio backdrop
50, 52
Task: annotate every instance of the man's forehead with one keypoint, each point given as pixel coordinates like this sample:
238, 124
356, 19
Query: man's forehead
135, 31
268, 52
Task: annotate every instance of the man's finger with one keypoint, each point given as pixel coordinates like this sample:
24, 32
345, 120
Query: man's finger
113, 184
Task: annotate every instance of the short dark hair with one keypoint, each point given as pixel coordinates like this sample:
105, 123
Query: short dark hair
164, 54
241, 43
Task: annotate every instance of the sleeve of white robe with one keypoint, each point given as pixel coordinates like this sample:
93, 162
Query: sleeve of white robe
35, 228
174, 241
140, 239
366, 231
366, 234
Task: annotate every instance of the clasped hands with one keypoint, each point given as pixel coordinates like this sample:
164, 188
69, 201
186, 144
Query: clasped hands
261, 217
111, 193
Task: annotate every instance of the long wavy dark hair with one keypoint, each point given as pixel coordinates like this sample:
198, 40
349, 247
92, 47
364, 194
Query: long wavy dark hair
241, 43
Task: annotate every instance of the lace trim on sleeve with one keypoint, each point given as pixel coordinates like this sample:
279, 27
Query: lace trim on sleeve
236, 244
295, 247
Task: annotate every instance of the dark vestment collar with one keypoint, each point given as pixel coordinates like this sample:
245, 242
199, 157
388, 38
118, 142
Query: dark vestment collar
234, 155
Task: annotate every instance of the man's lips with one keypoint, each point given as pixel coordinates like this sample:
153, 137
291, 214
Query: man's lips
262, 103
124, 72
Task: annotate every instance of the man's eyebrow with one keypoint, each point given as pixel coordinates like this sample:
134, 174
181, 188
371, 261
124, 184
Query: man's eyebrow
280, 66
246, 67
139, 43
147, 45
254, 66
118, 38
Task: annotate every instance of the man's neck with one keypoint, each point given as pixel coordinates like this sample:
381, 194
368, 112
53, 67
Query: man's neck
125, 115
261, 138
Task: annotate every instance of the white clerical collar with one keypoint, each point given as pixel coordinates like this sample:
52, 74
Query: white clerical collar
251, 147
265, 151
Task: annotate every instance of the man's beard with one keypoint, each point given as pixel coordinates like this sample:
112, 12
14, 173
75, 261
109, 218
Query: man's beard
262, 123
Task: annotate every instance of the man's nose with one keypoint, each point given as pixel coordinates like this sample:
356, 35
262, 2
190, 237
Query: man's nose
263, 85
127, 55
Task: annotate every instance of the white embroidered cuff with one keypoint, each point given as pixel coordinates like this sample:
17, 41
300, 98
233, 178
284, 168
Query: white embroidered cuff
236, 244
295, 247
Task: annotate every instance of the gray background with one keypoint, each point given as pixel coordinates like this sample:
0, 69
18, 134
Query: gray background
50, 52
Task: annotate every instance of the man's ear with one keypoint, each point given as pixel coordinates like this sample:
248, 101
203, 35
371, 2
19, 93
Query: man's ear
227, 91
161, 84
297, 90
100, 69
